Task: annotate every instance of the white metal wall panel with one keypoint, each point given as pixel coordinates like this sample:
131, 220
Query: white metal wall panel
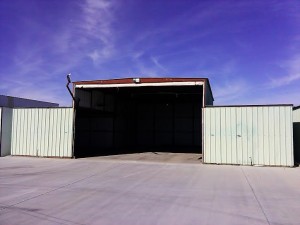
252, 135
296, 115
5, 131
45, 132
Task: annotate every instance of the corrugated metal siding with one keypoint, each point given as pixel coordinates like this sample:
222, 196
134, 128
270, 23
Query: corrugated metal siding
5, 133
45, 132
248, 135
296, 115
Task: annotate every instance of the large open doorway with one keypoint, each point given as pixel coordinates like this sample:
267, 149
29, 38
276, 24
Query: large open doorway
122, 120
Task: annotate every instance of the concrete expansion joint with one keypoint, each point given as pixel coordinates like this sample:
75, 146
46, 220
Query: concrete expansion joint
256, 198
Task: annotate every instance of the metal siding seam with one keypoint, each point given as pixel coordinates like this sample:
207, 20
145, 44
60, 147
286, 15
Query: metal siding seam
254, 135
282, 134
60, 132
283, 155
224, 143
249, 136
45, 131
17, 132
285, 137
239, 133
204, 135
271, 135
276, 136
37, 135
218, 135
289, 137
221, 149
31, 134
57, 132
265, 127
14, 134
212, 136
245, 137
233, 135
52, 131
207, 137
225, 157
229, 135
68, 134
292, 138
20, 138
27, 130
70, 140
65, 133
205, 143
23, 149
32, 131
66, 140
41, 123
24, 127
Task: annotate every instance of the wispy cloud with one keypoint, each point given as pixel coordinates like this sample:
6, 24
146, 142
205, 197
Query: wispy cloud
228, 91
155, 61
38, 69
96, 26
292, 68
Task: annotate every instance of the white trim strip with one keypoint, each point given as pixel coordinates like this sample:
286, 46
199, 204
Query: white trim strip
139, 84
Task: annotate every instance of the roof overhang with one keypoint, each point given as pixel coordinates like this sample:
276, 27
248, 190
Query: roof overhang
193, 83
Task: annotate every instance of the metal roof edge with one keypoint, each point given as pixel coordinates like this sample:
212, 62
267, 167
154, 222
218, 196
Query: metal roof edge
130, 80
41, 101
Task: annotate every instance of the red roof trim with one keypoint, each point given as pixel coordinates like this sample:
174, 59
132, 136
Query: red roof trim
142, 80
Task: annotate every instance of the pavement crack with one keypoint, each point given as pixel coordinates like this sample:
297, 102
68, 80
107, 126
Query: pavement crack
256, 198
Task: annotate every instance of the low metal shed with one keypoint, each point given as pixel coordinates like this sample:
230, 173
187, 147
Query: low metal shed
248, 135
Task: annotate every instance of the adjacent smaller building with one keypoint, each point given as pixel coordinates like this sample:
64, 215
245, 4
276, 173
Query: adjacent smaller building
7, 103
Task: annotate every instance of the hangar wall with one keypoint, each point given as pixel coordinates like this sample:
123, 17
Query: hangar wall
251, 135
44, 132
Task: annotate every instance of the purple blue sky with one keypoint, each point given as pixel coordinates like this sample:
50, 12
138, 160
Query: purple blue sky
250, 50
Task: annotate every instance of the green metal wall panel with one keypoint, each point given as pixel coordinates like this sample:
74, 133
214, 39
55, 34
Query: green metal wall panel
44, 132
251, 135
